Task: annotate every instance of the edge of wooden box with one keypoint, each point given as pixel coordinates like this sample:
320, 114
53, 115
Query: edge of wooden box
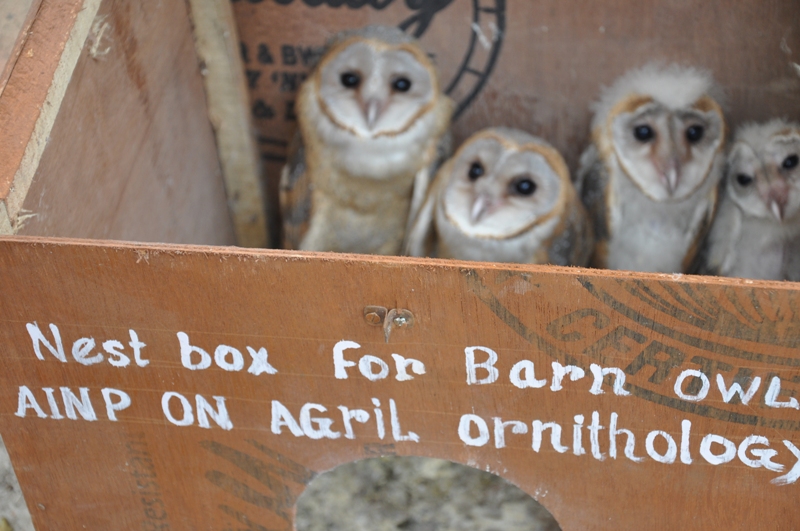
32, 98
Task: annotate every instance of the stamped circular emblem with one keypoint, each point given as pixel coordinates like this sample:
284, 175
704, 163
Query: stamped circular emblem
480, 45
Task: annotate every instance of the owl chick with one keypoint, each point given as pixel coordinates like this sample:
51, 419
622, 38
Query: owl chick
756, 233
649, 179
505, 196
373, 127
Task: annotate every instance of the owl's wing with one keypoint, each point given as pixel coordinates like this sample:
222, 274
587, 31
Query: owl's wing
698, 259
793, 260
295, 195
420, 235
591, 185
712, 248
573, 242
701, 264
424, 177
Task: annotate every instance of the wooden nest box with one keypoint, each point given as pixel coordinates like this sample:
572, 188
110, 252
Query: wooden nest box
162, 385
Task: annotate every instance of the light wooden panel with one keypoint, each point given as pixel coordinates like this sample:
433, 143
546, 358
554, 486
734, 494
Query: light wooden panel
143, 471
533, 65
217, 43
123, 147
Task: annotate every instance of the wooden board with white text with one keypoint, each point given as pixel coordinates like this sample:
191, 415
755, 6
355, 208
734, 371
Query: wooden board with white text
170, 388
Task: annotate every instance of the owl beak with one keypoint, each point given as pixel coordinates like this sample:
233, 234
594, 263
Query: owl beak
667, 161
777, 209
479, 208
372, 109
669, 168
672, 178
777, 199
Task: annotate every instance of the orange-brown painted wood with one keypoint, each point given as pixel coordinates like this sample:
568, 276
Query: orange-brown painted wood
16, 17
28, 83
144, 472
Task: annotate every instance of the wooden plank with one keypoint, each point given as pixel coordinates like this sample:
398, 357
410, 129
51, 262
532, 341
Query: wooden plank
228, 108
673, 337
532, 65
5, 220
16, 17
34, 92
131, 152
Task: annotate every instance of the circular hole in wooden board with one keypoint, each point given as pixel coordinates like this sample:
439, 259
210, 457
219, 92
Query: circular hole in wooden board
416, 494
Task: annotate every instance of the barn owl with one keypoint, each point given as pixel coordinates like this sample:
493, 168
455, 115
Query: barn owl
373, 126
649, 179
756, 233
505, 196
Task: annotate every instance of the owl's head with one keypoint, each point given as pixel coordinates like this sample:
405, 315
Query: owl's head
664, 126
763, 170
503, 182
375, 82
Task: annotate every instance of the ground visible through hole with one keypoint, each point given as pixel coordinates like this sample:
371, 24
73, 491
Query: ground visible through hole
14, 513
417, 494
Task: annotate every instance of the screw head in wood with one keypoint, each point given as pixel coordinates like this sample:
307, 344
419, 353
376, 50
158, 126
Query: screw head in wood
374, 315
401, 318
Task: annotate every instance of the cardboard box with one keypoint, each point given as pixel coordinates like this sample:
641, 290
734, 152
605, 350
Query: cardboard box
536, 66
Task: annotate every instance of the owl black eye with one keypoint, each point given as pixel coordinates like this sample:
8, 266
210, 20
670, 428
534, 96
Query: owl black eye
475, 171
401, 84
694, 134
643, 133
790, 162
744, 180
350, 80
523, 186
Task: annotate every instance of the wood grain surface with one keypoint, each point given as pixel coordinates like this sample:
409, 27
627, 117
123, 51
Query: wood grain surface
143, 471
127, 150
537, 66
33, 94
217, 42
